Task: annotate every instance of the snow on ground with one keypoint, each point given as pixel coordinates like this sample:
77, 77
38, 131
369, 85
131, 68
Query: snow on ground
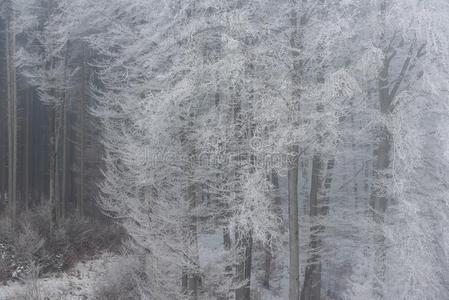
76, 284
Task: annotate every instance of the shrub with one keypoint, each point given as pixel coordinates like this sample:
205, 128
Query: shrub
33, 289
40, 218
6, 230
4, 272
28, 241
121, 281
56, 248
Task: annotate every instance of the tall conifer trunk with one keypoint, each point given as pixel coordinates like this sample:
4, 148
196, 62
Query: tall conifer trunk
12, 111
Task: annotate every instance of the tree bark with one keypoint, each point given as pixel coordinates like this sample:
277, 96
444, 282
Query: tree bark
227, 244
80, 199
12, 112
381, 165
293, 221
64, 138
312, 280
57, 168
243, 267
28, 100
3, 152
243, 237
191, 278
297, 25
194, 276
4, 110
269, 254
52, 166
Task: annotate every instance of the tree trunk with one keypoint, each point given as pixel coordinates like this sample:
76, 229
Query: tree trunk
4, 148
57, 182
243, 237
269, 255
293, 221
293, 165
243, 267
227, 244
381, 165
52, 165
267, 267
80, 200
3, 153
12, 112
379, 202
194, 276
64, 138
191, 278
28, 114
312, 279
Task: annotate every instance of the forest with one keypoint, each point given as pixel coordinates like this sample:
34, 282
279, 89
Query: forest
224, 149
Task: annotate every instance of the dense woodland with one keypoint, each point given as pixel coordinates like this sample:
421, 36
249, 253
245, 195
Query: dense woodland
229, 150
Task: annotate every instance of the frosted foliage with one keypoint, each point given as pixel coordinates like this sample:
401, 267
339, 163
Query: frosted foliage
208, 111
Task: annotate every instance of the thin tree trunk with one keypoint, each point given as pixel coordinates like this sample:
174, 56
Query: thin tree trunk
194, 278
28, 100
12, 112
327, 186
4, 143
293, 166
52, 165
227, 244
57, 182
243, 237
3, 153
293, 221
80, 202
269, 255
64, 141
243, 267
64, 138
267, 266
191, 279
312, 280
381, 165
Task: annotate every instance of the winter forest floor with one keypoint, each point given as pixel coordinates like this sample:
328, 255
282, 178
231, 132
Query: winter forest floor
100, 275
74, 284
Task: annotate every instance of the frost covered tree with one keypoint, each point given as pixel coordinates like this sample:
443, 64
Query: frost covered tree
251, 149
